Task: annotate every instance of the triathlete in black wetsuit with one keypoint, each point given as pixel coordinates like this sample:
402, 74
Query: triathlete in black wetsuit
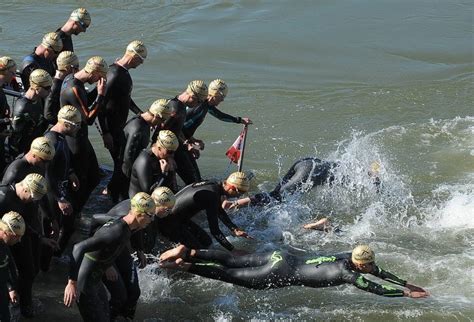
12, 227
154, 166
114, 115
123, 283
7, 73
207, 196
60, 174
93, 256
137, 136
195, 94
28, 122
78, 22
73, 93
18, 197
67, 63
280, 269
43, 57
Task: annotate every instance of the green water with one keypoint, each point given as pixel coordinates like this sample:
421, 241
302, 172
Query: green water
351, 81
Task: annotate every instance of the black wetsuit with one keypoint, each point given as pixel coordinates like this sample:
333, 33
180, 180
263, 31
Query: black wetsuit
4, 121
67, 40
90, 259
280, 269
57, 175
305, 171
186, 168
195, 116
27, 124
8, 280
192, 199
84, 159
125, 291
147, 175
52, 103
137, 136
118, 102
32, 62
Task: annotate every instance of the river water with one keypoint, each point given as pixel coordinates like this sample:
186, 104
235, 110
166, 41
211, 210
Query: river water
350, 81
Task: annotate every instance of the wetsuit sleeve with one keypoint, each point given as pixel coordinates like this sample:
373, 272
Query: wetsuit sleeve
144, 175
100, 239
223, 116
134, 145
12, 272
103, 119
137, 241
52, 104
366, 285
222, 214
134, 108
212, 212
388, 276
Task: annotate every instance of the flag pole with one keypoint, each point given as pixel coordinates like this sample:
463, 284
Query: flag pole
241, 158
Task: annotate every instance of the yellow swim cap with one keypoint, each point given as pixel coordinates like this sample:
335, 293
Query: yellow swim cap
163, 197
82, 16
218, 87
97, 64
36, 184
143, 203
6, 63
240, 181
69, 113
67, 59
363, 254
53, 41
43, 148
15, 223
198, 89
137, 48
167, 140
40, 78
160, 107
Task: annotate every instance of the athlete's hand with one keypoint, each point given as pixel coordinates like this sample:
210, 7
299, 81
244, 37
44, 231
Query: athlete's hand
70, 293
65, 207
198, 144
164, 165
416, 295
227, 204
101, 86
111, 274
108, 141
414, 288
141, 259
60, 74
240, 233
74, 180
13, 296
51, 243
246, 121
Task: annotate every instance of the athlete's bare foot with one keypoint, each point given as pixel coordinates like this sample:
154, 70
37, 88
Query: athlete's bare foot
174, 253
322, 224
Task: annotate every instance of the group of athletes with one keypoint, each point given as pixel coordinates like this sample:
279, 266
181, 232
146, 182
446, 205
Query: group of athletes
50, 169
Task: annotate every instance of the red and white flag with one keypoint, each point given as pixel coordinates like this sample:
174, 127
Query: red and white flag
233, 153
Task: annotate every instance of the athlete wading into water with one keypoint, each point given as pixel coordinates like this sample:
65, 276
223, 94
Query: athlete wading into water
93, 256
280, 269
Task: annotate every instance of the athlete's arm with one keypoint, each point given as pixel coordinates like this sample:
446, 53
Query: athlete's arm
12, 272
223, 116
212, 215
388, 276
366, 285
52, 104
134, 107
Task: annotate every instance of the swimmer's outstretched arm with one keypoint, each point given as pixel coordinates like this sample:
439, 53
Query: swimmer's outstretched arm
322, 224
